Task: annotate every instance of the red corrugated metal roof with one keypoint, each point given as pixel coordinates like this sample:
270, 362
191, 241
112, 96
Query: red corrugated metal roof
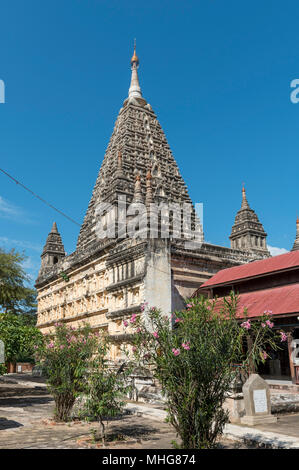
279, 300
256, 268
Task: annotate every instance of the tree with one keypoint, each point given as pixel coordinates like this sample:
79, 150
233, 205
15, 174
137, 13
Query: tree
19, 338
194, 362
106, 388
65, 357
15, 297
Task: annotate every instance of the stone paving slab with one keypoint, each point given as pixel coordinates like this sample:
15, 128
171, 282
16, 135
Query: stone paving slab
283, 434
24, 424
261, 438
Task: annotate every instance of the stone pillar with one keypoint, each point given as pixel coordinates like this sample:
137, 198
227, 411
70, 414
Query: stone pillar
157, 285
290, 350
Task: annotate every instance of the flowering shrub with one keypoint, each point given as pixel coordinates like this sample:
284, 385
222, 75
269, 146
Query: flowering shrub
65, 356
192, 354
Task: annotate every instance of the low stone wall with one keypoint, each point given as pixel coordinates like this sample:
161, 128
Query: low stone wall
284, 403
280, 403
24, 367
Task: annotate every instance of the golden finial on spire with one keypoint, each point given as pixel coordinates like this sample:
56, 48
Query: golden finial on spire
135, 58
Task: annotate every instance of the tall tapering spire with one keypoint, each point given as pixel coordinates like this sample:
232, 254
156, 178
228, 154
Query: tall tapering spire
149, 193
248, 233
245, 204
296, 242
135, 90
119, 171
54, 228
53, 250
137, 198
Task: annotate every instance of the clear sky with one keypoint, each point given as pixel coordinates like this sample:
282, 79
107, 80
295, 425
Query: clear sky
217, 74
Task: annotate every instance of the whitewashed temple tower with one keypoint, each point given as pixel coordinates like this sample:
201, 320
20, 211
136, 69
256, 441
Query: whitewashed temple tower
107, 279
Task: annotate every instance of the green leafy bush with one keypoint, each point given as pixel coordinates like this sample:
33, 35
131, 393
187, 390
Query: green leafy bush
2, 369
19, 337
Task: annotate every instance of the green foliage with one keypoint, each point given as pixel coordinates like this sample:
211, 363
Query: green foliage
194, 362
15, 297
106, 388
64, 277
65, 358
2, 369
19, 336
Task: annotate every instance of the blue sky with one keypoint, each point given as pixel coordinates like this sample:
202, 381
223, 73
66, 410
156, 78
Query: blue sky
216, 73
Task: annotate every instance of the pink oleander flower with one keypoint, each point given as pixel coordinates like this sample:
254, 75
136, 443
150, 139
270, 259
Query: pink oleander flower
133, 318
155, 334
50, 345
186, 345
269, 323
143, 306
138, 329
62, 347
125, 323
263, 325
189, 305
176, 352
283, 336
246, 325
268, 312
177, 320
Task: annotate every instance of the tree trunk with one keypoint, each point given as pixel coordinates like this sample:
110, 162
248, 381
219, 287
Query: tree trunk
63, 406
103, 434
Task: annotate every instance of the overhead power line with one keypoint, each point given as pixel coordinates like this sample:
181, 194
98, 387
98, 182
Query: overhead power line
40, 198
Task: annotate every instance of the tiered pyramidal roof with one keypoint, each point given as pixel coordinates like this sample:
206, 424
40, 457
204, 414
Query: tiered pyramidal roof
138, 158
54, 243
247, 232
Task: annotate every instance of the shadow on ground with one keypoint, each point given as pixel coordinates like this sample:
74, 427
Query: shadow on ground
24, 401
22, 391
9, 424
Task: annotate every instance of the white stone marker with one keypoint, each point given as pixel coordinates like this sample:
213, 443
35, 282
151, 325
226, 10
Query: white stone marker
257, 402
2, 352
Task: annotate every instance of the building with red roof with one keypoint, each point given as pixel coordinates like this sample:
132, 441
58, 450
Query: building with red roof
269, 285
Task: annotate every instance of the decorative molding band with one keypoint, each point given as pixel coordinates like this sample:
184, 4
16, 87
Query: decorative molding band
125, 282
124, 312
